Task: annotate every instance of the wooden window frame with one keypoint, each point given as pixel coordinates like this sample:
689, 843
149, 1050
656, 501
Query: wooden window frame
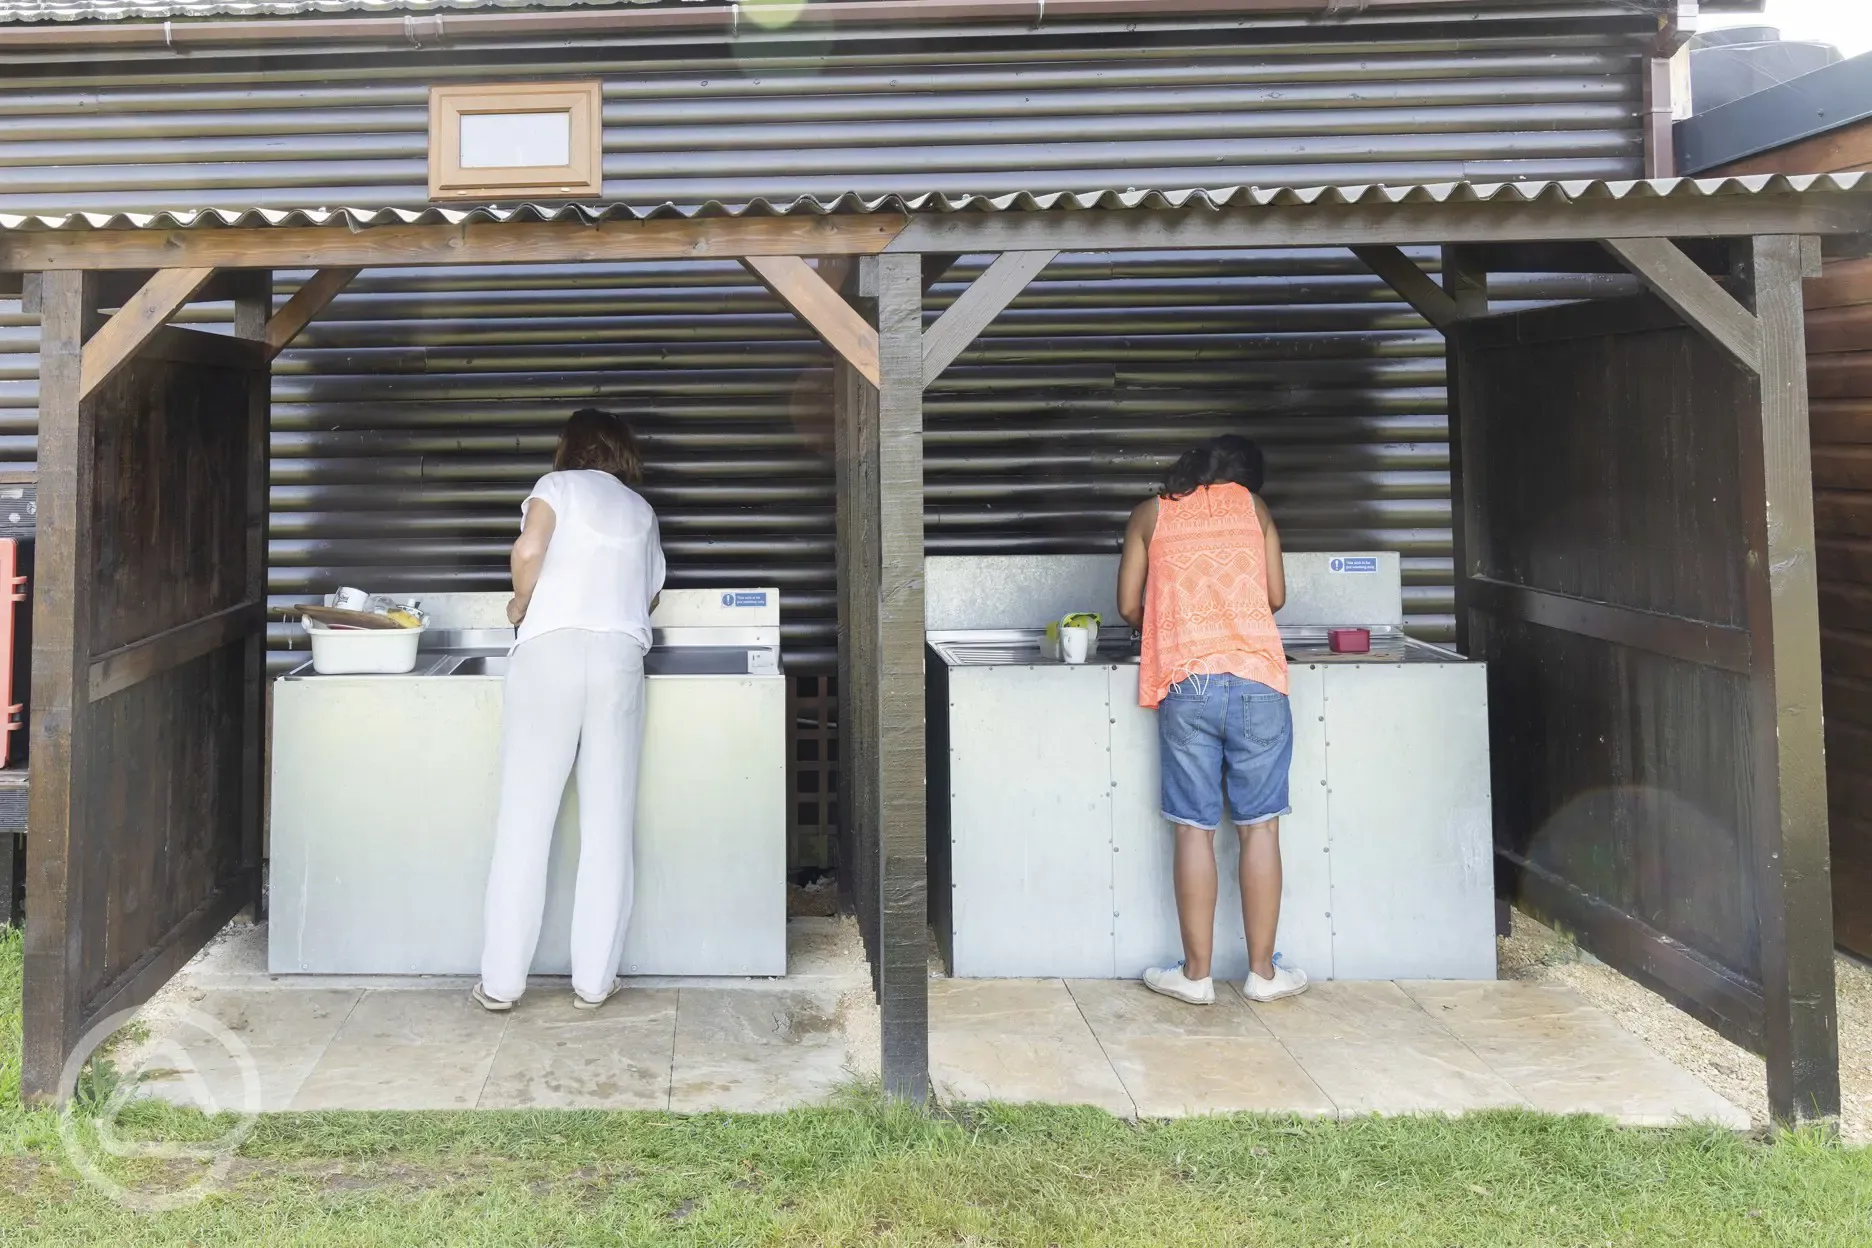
583, 178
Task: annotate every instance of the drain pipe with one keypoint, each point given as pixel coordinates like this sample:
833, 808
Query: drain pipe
1661, 88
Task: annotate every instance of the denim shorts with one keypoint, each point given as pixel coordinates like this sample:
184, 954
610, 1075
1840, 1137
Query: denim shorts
1224, 730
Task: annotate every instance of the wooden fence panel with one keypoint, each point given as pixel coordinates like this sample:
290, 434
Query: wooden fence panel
144, 831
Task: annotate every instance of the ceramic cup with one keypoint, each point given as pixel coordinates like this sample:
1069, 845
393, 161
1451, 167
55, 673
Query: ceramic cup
1074, 644
350, 599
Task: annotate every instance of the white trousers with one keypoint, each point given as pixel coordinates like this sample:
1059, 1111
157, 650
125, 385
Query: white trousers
570, 695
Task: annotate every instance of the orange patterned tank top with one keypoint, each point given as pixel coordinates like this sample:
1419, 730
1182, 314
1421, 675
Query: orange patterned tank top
1205, 595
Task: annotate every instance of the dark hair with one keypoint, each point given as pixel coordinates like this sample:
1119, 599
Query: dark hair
602, 441
1229, 459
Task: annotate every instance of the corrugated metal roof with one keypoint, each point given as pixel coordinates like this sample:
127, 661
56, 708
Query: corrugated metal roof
131, 10
1216, 199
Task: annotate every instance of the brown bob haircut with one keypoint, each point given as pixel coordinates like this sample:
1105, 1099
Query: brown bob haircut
602, 441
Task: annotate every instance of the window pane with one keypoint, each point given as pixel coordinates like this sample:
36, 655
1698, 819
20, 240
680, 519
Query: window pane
515, 140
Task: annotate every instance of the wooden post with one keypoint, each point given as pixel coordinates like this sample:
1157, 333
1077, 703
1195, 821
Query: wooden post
903, 941
855, 403
1793, 894
61, 665
1465, 283
254, 320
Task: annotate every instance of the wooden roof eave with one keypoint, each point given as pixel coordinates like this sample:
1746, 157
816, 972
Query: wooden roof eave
1366, 223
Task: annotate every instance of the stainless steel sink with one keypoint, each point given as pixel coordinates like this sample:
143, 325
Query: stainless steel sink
479, 665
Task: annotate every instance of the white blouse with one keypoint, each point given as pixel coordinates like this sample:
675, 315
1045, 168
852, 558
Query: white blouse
604, 564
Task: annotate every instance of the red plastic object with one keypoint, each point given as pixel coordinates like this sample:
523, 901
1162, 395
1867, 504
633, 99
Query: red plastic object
1349, 640
13, 586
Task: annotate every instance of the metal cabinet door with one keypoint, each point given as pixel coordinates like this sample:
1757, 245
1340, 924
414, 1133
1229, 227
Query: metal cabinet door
1147, 933
1030, 821
1412, 861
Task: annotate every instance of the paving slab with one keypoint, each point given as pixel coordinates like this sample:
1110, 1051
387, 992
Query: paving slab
1113, 1007
1019, 1041
278, 1035
1565, 1056
406, 1048
744, 1051
553, 1056
1373, 1050
1175, 1060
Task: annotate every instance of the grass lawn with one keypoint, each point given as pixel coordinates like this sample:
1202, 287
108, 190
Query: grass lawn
869, 1172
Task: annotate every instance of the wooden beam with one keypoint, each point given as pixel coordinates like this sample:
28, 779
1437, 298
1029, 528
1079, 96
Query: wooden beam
131, 665
304, 305
986, 298
1793, 892
512, 242
836, 322
903, 921
1692, 641
1347, 225
1411, 283
1465, 281
1693, 294
63, 566
307, 302
130, 327
253, 313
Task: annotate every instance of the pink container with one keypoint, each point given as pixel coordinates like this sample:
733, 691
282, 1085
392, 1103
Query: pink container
1349, 640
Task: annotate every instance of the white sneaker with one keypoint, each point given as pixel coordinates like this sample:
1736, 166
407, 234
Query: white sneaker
1171, 982
493, 1005
579, 1002
1288, 981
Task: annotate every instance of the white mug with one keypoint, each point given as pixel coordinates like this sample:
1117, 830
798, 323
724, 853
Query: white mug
350, 599
1074, 642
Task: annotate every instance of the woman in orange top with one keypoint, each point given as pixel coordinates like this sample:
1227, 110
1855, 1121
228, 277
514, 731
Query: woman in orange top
1202, 577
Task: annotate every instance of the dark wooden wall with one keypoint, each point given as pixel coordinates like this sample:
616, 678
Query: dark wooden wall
1839, 342
144, 833
1649, 743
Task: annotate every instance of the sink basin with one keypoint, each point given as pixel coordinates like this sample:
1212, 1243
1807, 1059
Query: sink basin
481, 665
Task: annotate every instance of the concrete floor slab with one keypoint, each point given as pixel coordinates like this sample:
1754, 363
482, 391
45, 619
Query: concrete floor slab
749, 1052
762, 1044
406, 1048
1019, 1041
1565, 1056
553, 1056
1177, 1076
1126, 1007
1007, 1006
1373, 1050
278, 1036
1063, 1069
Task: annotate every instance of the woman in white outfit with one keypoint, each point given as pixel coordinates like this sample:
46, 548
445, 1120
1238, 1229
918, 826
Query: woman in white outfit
586, 572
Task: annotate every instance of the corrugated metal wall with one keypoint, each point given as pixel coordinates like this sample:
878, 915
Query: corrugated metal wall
410, 420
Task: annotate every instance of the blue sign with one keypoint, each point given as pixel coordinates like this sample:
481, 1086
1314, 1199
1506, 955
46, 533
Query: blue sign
1354, 563
745, 598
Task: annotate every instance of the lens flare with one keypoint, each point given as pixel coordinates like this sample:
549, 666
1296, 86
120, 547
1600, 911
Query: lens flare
772, 14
